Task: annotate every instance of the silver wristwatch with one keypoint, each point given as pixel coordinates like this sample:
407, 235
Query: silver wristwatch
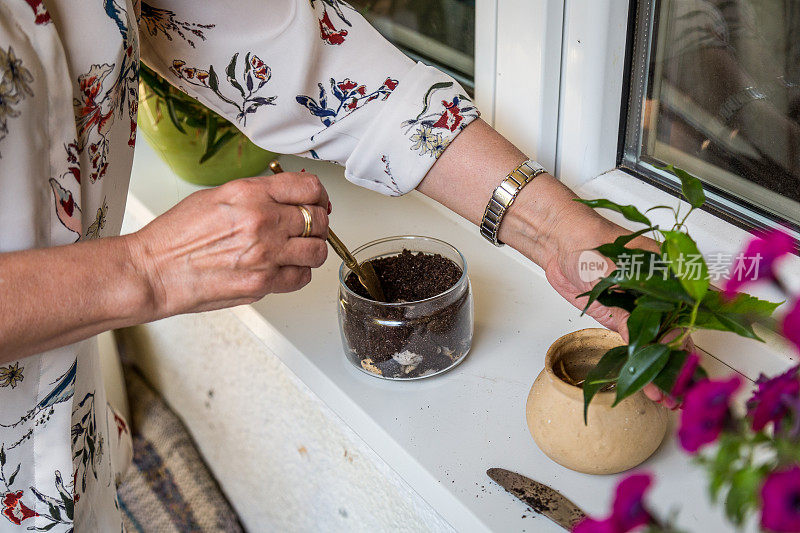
504, 195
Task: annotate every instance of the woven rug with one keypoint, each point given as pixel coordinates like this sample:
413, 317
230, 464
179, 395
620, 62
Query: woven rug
168, 488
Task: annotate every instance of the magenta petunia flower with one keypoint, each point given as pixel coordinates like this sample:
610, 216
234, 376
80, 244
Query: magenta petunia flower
769, 401
684, 380
780, 500
590, 525
791, 324
758, 259
628, 511
705, 411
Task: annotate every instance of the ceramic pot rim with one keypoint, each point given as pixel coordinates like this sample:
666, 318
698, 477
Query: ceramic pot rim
571, 391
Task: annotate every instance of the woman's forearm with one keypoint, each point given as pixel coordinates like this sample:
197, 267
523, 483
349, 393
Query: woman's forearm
56, 296
544, 219
217, 248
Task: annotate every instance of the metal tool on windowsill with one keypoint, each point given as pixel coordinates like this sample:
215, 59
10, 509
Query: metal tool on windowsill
364, 271
539, 497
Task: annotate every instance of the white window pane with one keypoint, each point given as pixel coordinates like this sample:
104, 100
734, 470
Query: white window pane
716, 91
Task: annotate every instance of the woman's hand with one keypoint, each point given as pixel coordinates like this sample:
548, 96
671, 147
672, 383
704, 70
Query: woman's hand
569, 279
233, 244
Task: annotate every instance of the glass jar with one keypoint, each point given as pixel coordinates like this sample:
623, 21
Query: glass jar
406, 340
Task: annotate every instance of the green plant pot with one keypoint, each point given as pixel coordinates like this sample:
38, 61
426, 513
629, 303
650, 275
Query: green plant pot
235, 157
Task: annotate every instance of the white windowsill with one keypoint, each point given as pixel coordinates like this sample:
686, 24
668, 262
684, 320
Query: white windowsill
440, 434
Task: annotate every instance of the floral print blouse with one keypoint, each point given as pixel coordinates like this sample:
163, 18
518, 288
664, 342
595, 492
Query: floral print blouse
306, 77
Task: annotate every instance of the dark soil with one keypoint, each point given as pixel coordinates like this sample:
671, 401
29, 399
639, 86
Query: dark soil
417, 339
409, 277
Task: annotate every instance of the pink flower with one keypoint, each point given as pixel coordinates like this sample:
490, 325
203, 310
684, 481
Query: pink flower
759, 258
768, 403
780, 500
628, 511
705, 412
684, 380
13, 508
791, 324
591, 525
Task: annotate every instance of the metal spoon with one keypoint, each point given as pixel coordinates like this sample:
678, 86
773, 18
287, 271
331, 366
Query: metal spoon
364, 271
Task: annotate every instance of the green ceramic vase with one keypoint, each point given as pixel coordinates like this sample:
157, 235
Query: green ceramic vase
199, 145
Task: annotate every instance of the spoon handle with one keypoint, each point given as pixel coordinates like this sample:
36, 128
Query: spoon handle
342, 251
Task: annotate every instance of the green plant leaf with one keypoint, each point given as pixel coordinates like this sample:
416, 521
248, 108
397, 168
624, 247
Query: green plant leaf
607, 367
686, 262
211, 131
224, 138
736, 315
669, 289
601, 286
743, 494
640, 369
173, 116
152, 81
623, 299
628, 211
741, 304
655, 207
643, 326
720, 467
737, 325
665, 379
691, 187
614, 249
655, 304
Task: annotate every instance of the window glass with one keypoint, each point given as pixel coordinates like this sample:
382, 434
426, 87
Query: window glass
715, 89
438, 32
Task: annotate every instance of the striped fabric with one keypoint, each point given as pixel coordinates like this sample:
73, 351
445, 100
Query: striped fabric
168, 489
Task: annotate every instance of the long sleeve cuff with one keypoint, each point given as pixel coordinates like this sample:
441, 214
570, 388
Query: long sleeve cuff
422, 116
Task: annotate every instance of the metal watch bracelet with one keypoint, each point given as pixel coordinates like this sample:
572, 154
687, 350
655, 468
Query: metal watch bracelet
504, 195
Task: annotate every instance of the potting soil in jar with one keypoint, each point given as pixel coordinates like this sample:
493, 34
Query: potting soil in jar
416, 340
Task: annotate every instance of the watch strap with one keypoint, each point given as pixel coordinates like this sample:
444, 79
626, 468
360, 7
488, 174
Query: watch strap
504, 195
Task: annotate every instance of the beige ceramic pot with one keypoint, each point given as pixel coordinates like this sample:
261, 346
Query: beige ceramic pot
615, 439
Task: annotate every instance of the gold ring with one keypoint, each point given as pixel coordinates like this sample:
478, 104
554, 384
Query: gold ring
306, 220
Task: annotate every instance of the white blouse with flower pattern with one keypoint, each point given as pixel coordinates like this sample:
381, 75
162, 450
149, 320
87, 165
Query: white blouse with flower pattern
306, 77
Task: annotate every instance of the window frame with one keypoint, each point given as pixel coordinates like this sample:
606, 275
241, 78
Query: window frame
517, 71
727, 206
